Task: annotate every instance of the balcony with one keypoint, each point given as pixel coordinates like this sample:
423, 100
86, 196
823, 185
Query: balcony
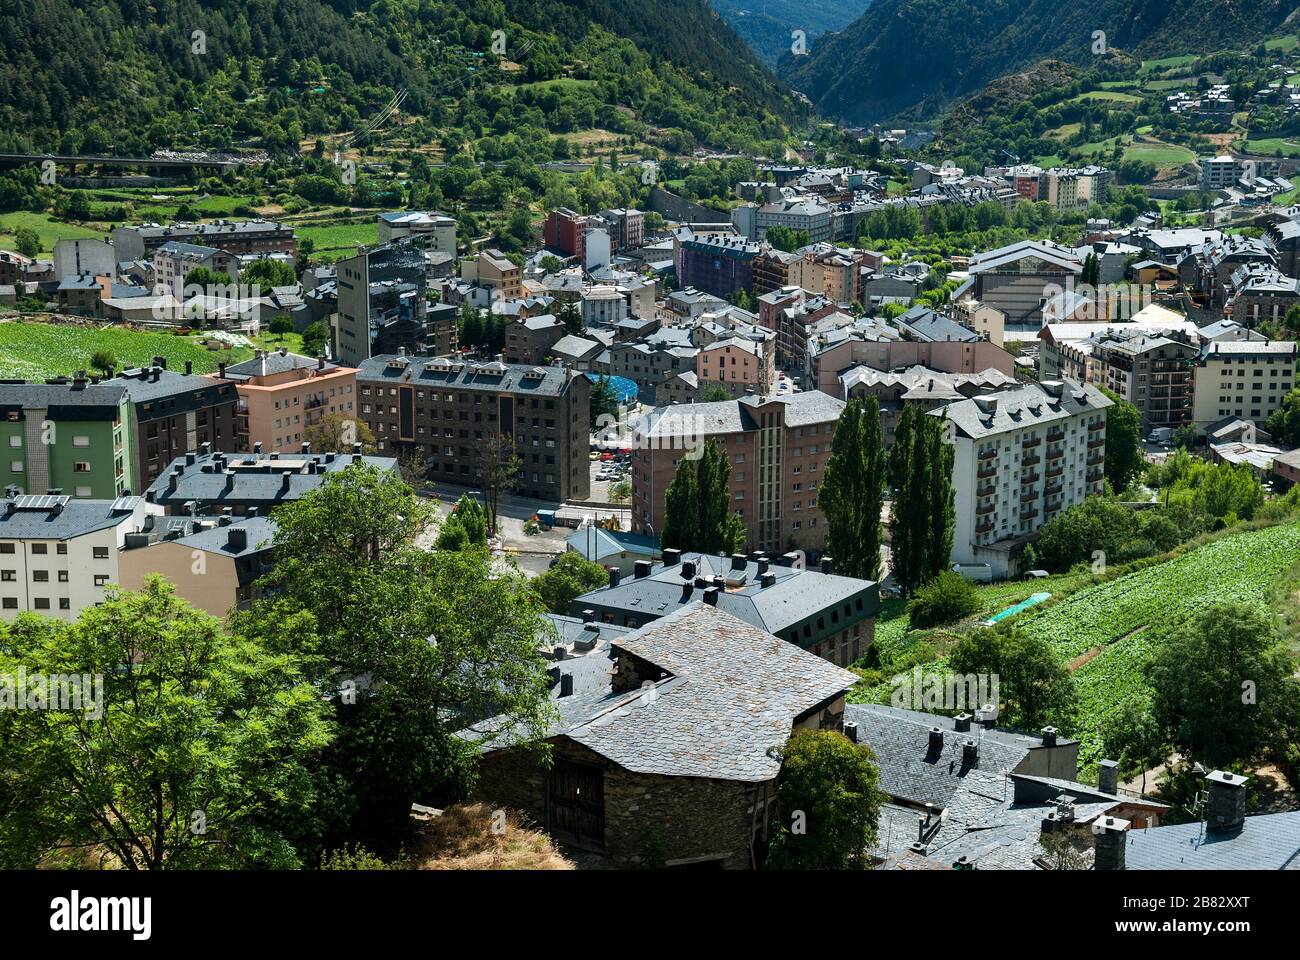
987, 490
1096, 425
1095, 476
1055, 436
1053, 472
1053, 490
985, 509
988, 454
1028, 495
1032, 478
1094, 444
986, 473
984, 528
1028, 515
1095, 461
1055, 453
1030, 460
1031, 443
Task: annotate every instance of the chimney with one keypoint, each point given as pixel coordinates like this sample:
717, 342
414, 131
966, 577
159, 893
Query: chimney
56, 508
588, 615
738, 561
614, 576
672, 558
642, 569
788, 559
711, 596
962, 723
936, 738
306, 448
1049, 736
221, 370
851, 731
54, 491
237, 538
687, 590
250, 512
763, 564
558, 652
1227, 805
1109, 852
284, 481
224, 519
1108, 776
257, 448
566, 684
767, 580
320, 363
189, 367
205, 447
150, 497
688, 569
230, 480
970, 752
172, 480
189, 459
356, 450
828, 565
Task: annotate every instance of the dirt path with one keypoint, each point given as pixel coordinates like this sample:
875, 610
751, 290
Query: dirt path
1087, 655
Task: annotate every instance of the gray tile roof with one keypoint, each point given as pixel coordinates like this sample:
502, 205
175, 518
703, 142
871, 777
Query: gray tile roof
31, 520
272, 363
795, 596
258, 479
1019, 407
143, 388
730, 700
42, 396
465, 375
1267, 842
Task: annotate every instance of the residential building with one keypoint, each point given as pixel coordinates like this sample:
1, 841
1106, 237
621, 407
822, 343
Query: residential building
830, 616
1020, 457
613, 548
917, 385
213, 482
1257, 292
281, 395
173, 261
772, 270
174, 412
68, 435
564, 231
718, 264
214, 563
637, 750
234, 237
529, 340
491, 269
777, 447
449, 410
735, 364
1244, 378
84, 256
1150, 369
797, 213
58, 555
437, 230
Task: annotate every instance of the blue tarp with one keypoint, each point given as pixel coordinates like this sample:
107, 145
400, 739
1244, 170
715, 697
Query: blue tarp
625, 388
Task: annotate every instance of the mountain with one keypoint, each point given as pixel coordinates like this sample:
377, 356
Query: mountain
130, 76
767, 25
917, 56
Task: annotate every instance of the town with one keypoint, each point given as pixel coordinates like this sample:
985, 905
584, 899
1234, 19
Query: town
846, 497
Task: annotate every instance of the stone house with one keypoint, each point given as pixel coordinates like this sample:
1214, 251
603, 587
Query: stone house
670, 755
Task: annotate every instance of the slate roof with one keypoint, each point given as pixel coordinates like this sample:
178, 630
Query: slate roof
464, 375
730, 699
143, 388
1267, 842
258, 478
794, 596
926, 325
597, 543
216, 538
911, 772
271, 363
1028, 405
76, 518
42, 396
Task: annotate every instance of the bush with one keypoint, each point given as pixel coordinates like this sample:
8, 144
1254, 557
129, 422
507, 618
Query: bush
945, 599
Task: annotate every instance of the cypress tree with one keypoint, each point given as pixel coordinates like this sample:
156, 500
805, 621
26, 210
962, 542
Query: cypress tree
682, 510
852, 491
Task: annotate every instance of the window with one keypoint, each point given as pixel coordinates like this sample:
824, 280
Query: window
81, 441
81, 466
41, 603
40, 576
39, 548
9, 576
15, 466
101, 579
15, 441
65, 603
61, 549
10, 603
63, 576
100, 553
6, 548
84, 491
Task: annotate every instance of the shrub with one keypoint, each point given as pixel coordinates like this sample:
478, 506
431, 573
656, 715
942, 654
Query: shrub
945, 599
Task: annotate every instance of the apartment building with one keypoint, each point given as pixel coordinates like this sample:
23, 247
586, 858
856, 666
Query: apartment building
772, 270
173, 412
173, 261
1021, 456
1257, 292
1151, 370
244, 484
915, 386
492, 269
436, 230
829, 271
564, 230
382, 302
262, 237
830, 616
447, 410
70, 435
777, 447
735, 364
281, 395
529, 339
1247, 379
716, 263
58, 555
213, 562
798, 213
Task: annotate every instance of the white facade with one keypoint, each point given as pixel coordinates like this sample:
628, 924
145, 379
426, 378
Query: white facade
438, 231
1021, 456
1248, 379
63, 570
84, 257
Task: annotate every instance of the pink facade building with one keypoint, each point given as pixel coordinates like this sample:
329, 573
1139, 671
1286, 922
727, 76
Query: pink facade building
282, 394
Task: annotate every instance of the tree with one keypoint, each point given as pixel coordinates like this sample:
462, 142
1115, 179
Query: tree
418, 644
827, 809
280, 326
571, 317
465, 526
1077, 533
852, 492
1186, 436
603, 403
698, 514
197, 751
713, 393
1132, 737
570, 576
337, 433
206, 278
1034, 686
104, 362
266, 273
27, 241
923, 513
315, 339
1223, 689
1123, 442
498, 471
1284, 423
472, 332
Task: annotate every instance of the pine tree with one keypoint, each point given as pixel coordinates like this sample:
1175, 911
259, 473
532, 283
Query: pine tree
682, 510
923, 514
940, 500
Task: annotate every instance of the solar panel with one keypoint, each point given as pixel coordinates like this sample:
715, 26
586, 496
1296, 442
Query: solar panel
40, 502
124, 505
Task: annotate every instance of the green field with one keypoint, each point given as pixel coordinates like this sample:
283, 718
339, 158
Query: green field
1113, 96
1271, 145
38, 351
338, 238
47, 228
1166, 63
1160, 154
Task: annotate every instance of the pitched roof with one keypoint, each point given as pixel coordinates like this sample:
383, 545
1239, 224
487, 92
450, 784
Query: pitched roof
32, 517
1266, 842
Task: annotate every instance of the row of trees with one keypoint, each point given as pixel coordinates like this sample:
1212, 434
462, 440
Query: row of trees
697, 508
